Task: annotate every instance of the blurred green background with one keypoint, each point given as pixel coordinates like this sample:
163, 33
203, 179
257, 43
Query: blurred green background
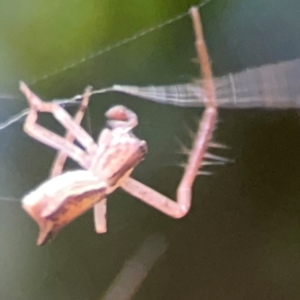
241, 239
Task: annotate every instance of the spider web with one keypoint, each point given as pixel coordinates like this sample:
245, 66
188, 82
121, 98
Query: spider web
11, 134
171, 28
84, 60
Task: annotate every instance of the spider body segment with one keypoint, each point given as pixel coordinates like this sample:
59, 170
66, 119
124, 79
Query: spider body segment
61, 199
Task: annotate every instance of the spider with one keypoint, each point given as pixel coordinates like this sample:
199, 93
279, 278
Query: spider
107, 163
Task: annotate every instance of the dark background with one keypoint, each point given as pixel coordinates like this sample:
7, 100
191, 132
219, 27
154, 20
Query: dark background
241, 239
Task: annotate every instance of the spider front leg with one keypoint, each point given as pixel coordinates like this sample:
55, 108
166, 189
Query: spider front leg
83, 158
61, 157
206, 126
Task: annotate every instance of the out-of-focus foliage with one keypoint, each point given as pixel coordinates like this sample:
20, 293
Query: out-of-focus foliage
40, 37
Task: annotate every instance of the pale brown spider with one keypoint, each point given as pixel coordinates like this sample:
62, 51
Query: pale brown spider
108, 163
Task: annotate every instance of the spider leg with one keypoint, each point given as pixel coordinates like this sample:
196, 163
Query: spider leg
206, 126
51, 139
100, 216
61, 157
